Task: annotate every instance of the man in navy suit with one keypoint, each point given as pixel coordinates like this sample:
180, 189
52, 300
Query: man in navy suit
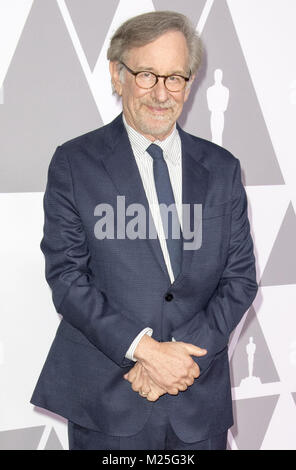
140, 358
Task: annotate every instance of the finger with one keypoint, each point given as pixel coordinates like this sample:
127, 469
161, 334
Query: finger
195, 371
189, 381
196, 374
126, 376
141, 384
183, 387
180, 387
131, 375
144, 371
143, 380
152, 396
137, 383
137, 386
154, 388
145, 383
173, 391
155, 393
145, 387
195, 350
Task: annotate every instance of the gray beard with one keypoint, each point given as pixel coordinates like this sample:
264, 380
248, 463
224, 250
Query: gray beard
154, 130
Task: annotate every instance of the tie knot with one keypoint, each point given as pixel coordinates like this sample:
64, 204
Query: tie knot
155, 151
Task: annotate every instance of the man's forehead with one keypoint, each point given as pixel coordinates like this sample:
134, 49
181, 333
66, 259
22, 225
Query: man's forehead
166, 55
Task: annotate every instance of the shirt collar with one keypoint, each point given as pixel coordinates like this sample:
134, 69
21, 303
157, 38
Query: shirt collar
140, 143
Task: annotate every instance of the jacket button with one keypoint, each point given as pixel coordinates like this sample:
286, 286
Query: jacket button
169, 297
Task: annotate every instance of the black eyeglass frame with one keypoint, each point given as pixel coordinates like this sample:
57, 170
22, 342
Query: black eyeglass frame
157, 77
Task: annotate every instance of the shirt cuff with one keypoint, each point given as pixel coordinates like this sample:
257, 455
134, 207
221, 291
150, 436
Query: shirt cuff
130, 352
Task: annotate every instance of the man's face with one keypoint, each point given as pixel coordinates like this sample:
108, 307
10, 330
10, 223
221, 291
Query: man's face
153, 112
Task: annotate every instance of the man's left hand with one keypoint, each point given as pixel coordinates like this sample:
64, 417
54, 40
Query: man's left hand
142, 383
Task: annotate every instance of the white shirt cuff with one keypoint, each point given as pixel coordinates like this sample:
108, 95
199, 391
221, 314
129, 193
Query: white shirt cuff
130, 352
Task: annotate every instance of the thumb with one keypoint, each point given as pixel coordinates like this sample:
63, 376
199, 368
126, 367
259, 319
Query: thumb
195, 350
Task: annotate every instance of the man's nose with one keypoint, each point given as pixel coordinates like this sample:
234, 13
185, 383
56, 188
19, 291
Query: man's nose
159, 91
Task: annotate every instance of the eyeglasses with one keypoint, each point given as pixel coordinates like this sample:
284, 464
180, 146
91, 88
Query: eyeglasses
146, 79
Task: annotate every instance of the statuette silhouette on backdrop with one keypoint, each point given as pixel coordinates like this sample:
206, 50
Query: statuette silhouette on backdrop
218, 98
251, 380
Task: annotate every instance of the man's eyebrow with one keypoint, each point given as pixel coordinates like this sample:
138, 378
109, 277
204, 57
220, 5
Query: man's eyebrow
152, 69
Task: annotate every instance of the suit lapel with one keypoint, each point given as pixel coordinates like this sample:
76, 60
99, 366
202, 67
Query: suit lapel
122, 168
194, 186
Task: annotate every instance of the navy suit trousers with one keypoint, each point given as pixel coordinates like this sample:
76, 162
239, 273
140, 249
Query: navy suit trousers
157, 434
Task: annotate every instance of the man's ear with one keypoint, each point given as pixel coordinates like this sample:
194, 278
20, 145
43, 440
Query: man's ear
113, 68
188, 87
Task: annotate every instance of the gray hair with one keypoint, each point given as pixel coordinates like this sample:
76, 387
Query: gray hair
143, 29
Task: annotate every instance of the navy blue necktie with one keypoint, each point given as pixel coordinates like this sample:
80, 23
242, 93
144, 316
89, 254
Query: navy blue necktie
166, 196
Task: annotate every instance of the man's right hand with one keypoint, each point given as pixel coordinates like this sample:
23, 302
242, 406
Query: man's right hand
169, 364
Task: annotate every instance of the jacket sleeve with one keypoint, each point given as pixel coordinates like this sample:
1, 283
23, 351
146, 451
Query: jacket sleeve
75, 294
210, 327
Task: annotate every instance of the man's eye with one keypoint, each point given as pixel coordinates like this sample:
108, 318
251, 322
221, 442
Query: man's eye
174, 78
145, 75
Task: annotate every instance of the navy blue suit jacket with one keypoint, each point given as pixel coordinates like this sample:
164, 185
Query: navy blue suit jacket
108, 290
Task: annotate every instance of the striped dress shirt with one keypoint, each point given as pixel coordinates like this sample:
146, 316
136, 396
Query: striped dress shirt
171, 147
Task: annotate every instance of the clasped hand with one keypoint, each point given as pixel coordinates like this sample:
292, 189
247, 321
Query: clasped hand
164, 368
